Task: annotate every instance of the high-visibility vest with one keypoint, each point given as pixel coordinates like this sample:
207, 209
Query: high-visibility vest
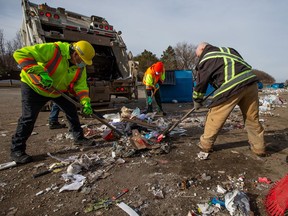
50, 67
150, 78
230, 76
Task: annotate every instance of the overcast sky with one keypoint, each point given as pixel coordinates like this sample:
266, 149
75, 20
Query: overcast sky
258, 29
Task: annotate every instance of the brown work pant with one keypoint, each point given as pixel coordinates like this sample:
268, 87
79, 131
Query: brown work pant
248, 102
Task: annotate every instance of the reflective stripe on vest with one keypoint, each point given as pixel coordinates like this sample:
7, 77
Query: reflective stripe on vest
83, 94
26, 63
50, 67
230, 79
154, 76
75, 79
246, 75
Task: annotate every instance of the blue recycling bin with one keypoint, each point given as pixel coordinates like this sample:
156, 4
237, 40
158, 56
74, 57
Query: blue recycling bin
178, 86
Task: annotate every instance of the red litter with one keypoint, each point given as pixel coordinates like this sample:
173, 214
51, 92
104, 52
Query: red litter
108, 135
264, 180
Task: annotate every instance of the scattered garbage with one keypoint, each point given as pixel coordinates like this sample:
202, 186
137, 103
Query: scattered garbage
206, 209
7, 165
186, 183
158, 193
52, 187
55, 167
141, 133
105, 203
203, 155
237, 203
264, 180
218, 201
221, 190
127, 209
205, 177
76, 167
108, 135
3, 133
76, 181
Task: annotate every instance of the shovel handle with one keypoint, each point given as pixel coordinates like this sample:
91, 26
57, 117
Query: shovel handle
41, 173
169, 129
98, 117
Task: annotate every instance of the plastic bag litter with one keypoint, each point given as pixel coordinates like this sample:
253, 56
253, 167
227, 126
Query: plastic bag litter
114, 117
136, 112
76, 179
237, 203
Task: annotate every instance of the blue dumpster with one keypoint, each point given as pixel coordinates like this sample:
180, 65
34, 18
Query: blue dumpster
277, 85
178, 86
260, 85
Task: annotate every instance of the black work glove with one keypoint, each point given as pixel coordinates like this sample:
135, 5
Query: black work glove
197, 105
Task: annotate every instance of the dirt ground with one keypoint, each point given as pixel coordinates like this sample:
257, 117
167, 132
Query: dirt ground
156, 182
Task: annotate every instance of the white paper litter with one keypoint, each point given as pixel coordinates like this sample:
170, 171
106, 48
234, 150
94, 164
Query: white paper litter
77, 182
127, 209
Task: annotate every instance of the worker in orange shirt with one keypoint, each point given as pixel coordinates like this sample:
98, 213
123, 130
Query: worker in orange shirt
153, 77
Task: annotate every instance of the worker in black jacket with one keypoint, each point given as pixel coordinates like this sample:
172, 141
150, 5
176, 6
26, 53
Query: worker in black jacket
235, 84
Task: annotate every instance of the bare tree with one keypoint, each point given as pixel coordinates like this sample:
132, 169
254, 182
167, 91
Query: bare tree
11, 46
145, 59
185, 56
8, 66
2, 48
263, 76
169, 58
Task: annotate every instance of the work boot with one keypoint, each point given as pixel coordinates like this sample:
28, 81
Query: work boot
161, 113
84, 142
202, 148
21, 157
56, 125
149, 109
259, 152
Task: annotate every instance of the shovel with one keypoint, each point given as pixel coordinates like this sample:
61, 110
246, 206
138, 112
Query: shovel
96, 116
169, 129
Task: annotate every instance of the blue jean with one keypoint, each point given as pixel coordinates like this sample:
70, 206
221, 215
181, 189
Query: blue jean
31, 106
55, 110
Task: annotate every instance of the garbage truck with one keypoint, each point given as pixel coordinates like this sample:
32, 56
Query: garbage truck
113, 72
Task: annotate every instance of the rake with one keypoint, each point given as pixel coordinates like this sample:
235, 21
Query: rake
276, 201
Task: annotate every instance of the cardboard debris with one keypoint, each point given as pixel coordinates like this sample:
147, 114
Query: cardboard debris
138, 141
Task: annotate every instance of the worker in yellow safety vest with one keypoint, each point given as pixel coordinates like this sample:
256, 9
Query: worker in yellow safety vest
235, 84
46, 67
152, 79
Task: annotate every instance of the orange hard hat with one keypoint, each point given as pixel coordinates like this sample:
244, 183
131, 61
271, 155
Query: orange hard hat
158, 67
